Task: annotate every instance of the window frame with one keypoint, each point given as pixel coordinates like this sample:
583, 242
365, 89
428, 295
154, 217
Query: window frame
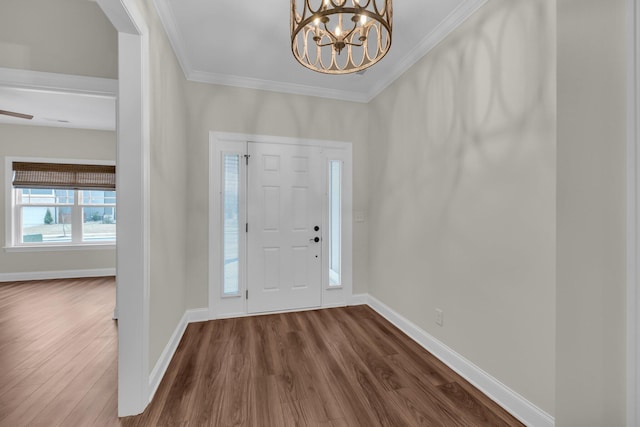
13, 221
331, 226
242, 237
220, 142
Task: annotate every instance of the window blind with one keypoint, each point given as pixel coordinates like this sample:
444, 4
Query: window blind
64, 176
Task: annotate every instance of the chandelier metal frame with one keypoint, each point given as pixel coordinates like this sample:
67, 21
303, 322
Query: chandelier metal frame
359, 29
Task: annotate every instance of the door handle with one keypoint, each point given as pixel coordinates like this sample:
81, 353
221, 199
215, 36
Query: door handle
315, 239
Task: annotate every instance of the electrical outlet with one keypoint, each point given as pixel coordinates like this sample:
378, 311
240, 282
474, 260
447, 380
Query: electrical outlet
439, 317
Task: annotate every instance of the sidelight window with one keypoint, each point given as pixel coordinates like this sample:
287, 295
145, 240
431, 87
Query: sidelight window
335, 222
231, 223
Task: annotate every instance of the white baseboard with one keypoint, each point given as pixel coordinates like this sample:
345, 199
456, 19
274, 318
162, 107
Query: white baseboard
511, 401
167, 354
61, 274
38, 80
189, 316
336, 305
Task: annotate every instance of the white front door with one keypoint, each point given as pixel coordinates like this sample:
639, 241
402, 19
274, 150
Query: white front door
284, 215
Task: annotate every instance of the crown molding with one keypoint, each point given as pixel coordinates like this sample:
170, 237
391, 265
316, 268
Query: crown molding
168, 20
123, 16
272, 86
37, 80
450, 23
446, 27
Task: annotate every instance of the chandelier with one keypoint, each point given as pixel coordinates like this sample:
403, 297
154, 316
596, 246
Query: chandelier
340, 36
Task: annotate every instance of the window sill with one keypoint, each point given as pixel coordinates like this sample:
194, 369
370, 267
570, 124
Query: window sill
52, 248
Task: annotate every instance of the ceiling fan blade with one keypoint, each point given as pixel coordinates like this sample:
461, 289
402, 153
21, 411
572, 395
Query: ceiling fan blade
18, 115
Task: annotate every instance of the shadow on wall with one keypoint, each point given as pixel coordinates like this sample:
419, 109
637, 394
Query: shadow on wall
263, 112
475, 105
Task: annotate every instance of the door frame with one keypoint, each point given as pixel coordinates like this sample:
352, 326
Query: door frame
633, 213
132, 249
219, 142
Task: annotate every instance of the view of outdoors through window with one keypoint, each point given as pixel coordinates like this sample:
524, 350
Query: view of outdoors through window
231, 209
335, 222
71, 216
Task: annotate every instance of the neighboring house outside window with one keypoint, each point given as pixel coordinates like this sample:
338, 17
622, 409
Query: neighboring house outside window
60, 216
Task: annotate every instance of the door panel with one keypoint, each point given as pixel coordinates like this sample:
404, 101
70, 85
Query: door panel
284, 205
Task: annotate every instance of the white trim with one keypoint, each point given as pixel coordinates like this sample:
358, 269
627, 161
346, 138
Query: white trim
240, 315
358, 299
132, 253
633, 215
511, 401
217, 299
124, 16
165, 12
40, 81
280, 87
11, 159
269, 139
337, 296
448, 25
61, 274
329, 305
160, 368
221, 142
9, 204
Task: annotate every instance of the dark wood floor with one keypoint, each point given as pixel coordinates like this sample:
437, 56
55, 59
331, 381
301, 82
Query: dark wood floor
337, 367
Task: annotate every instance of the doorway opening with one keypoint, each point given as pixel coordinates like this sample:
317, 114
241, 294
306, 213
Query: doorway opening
132, 255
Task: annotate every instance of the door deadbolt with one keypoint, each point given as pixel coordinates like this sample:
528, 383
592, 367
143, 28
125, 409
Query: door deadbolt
316, 228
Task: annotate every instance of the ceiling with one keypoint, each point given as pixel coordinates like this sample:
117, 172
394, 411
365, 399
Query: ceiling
247, 44
58, 108
235, 43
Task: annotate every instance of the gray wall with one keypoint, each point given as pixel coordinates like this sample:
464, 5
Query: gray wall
58, 143
61, 36
168, 185
462, 203
591, 213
